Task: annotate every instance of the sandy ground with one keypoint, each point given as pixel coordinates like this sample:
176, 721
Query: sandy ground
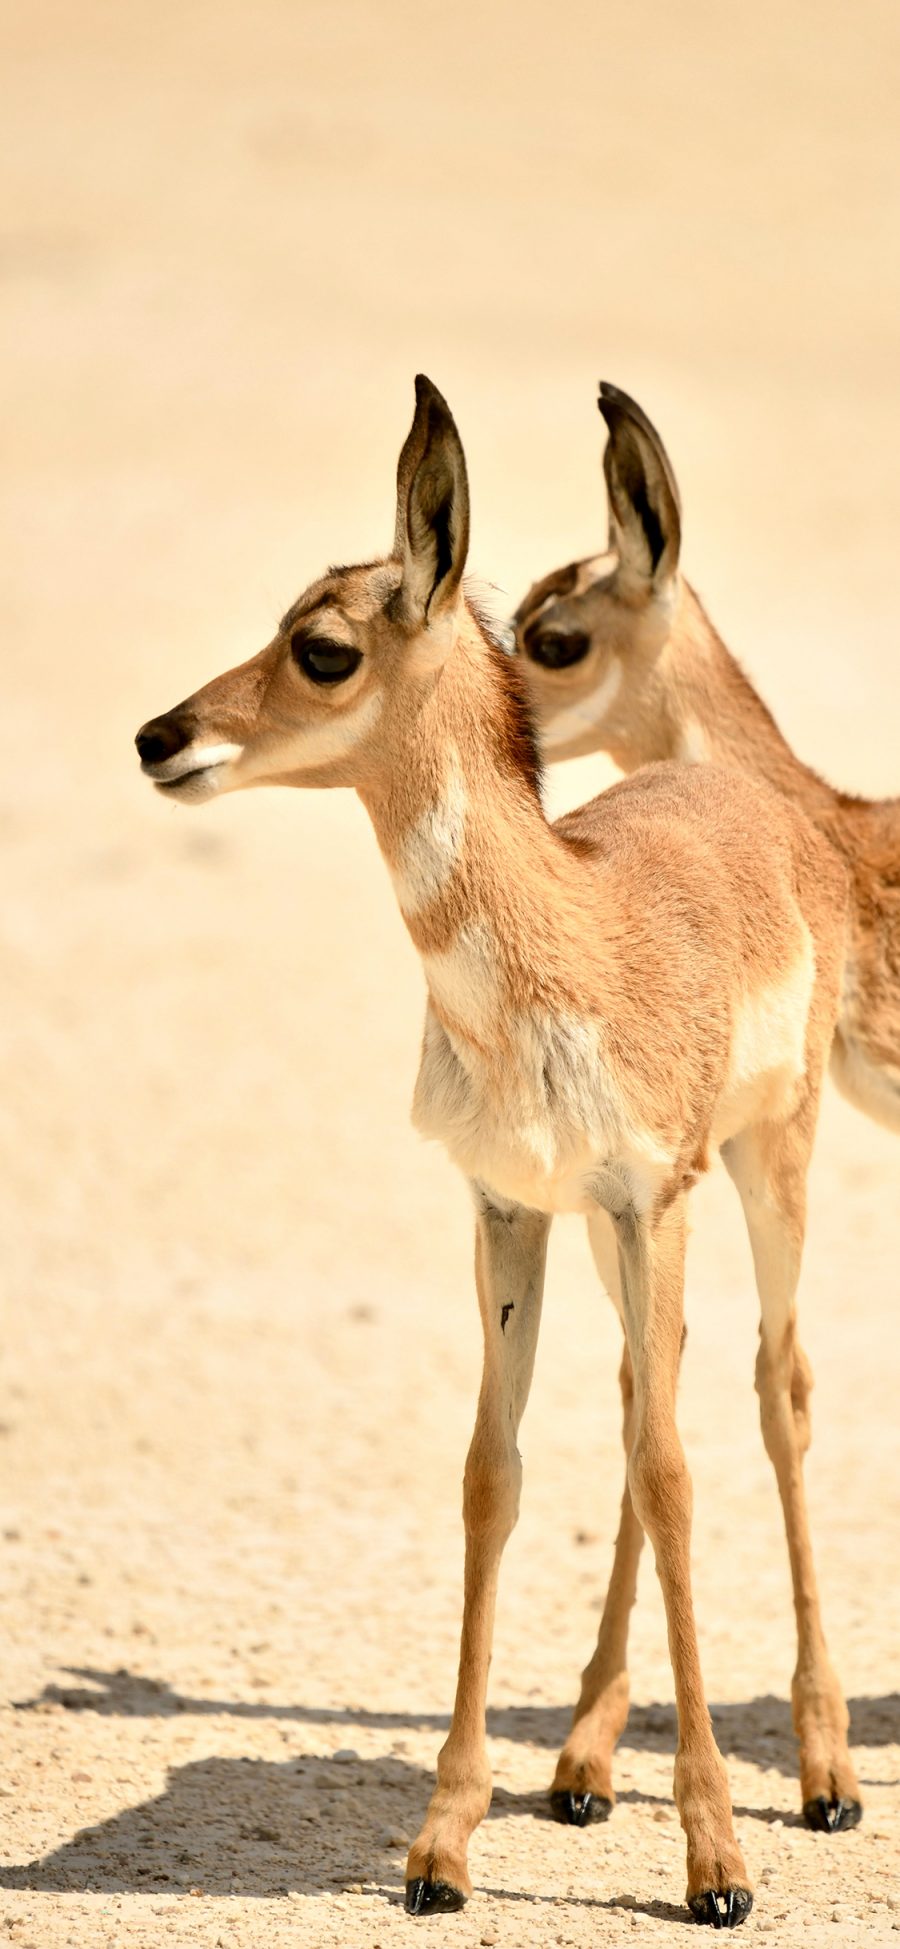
241, 1347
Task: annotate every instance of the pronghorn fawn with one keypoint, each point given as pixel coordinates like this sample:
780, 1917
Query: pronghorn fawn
620, 656
608, 999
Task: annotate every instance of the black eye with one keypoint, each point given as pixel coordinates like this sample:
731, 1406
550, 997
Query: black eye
323, 662
557, 648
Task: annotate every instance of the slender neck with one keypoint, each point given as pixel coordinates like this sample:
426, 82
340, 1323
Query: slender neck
698, 704
480, 875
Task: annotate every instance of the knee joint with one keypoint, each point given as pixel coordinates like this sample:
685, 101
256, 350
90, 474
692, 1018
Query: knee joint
491, 1495
781, 1376
659, 1482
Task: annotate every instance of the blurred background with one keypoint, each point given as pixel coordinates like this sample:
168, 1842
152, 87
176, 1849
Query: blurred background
241, 1346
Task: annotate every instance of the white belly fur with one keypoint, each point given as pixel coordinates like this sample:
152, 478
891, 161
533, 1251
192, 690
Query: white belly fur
537, 1128
542, 1120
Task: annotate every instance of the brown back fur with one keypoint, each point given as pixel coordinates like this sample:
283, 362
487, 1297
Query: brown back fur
651, 680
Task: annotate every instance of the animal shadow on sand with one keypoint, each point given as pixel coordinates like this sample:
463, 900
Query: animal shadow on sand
758, 1730
253, 1827
266, 1829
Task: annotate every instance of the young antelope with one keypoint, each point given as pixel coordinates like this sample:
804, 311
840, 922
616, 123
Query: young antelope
609, 998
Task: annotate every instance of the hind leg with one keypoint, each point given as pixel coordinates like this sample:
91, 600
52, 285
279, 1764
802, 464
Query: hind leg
769, 1165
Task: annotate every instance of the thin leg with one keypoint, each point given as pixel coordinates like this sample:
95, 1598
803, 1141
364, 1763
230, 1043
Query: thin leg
582, 1788
769, 1166
510, 1253
651, 1258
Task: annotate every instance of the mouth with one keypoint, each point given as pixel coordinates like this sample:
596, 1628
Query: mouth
192, 776
192, 786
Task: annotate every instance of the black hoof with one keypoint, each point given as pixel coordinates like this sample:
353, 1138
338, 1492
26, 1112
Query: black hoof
721, 1911
432, 1897
579, 1809
831, 1816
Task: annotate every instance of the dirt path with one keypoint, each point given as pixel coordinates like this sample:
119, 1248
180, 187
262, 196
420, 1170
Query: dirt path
241, 1345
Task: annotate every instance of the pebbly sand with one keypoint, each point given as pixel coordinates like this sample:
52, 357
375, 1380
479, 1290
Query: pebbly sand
241, 1344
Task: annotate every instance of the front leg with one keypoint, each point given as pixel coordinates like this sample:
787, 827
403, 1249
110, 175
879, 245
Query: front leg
510, 1253
651, 1260
582, 1790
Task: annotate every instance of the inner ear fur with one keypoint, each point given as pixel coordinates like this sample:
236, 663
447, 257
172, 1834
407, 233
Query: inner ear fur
644, 503
431, 536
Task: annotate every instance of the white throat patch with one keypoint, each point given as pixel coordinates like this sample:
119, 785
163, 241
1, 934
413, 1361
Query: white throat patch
692, 748
432, 847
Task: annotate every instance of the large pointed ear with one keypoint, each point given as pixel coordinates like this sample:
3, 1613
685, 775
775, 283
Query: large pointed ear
431, 538
644, 503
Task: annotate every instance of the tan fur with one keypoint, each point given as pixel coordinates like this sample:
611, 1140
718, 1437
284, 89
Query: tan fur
650, 680
608, 998
678, 693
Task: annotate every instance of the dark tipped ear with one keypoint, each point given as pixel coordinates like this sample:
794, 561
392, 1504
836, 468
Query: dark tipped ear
431, 538
644, 504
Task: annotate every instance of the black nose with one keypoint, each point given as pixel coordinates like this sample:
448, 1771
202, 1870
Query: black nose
161, 739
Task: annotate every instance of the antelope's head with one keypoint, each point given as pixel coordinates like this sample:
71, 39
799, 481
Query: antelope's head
589, 633
351, 660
